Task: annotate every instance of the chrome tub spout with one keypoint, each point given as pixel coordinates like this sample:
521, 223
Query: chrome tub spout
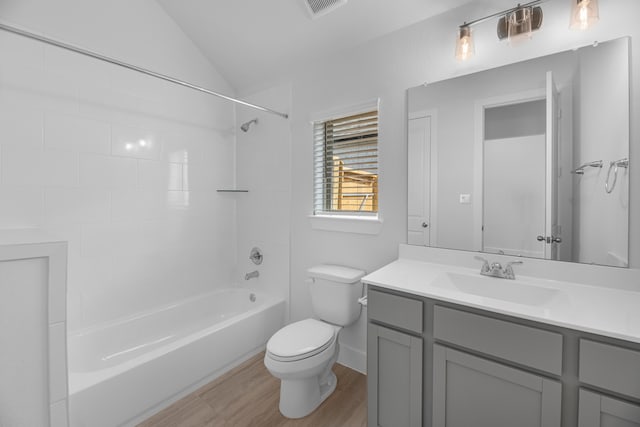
251, 275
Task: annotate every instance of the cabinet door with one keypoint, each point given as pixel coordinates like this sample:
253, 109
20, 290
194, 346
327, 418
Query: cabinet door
394, 373
597, 410
470, 391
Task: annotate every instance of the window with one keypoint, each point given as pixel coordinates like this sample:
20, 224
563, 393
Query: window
346, 165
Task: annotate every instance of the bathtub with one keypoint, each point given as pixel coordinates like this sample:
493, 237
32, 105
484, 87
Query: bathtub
122, 371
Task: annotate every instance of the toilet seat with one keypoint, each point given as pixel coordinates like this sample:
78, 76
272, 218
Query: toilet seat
300, 340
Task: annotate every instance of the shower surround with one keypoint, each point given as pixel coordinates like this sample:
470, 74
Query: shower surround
121, 165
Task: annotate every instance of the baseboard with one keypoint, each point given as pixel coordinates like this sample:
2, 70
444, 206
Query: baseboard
353, 358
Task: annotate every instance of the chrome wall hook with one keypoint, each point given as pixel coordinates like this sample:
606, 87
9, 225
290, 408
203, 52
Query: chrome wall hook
580, 170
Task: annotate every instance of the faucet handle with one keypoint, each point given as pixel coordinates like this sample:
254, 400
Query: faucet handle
479, 258
508, 270
485, 264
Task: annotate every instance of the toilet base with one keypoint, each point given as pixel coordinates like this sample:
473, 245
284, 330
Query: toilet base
300, 397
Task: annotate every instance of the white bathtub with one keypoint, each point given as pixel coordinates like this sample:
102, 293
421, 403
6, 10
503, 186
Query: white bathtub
124, 370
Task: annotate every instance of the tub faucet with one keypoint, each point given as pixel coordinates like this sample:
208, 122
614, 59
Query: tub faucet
251, 275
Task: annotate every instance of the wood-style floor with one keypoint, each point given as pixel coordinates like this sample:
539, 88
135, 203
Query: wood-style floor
248, 396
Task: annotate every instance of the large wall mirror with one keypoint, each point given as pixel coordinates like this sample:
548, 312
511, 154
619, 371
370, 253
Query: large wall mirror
528, 159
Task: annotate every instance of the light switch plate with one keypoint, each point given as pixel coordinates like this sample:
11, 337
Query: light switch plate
465, 199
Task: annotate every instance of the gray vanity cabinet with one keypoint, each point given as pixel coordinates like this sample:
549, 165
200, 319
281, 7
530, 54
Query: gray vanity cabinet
473, 391
598, 410
394, 361
613, 369
433, 363
395, 380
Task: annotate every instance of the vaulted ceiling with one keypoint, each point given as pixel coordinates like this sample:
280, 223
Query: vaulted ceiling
254, 43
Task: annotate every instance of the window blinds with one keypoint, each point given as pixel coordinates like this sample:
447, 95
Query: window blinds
346, 165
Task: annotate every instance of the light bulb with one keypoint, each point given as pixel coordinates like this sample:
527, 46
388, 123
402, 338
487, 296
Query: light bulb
464, 44
584, 14
519, 25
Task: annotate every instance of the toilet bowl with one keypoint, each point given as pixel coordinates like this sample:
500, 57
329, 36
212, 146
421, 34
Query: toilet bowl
302, 354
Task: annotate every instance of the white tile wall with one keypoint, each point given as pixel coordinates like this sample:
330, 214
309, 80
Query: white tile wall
76, 205
20, 126
125, 168
97, 171
133, 142
60, 168
263, 214
22, 167
20, 207
76, 133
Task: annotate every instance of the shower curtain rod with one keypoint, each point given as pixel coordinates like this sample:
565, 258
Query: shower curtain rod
134, 68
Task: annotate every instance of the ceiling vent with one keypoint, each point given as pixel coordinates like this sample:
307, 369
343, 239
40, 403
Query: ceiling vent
318, 8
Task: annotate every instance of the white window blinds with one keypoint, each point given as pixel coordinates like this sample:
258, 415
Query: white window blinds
346, 165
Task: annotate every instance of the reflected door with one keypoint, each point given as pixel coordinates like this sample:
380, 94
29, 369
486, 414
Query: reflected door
513, 174
512, 206
419, 186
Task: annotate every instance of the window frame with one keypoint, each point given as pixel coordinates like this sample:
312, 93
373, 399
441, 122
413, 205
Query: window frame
346, 221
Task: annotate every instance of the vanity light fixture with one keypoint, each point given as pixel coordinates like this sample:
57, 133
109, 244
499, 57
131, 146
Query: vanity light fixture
518, 24
515, 24
584, 14
464, 44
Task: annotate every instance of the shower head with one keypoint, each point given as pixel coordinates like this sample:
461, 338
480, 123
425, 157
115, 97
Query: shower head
245, 126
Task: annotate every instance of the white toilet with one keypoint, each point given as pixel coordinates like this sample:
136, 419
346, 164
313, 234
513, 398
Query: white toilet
302, 353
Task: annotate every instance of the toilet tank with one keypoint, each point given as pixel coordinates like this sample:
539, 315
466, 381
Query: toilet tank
335, 290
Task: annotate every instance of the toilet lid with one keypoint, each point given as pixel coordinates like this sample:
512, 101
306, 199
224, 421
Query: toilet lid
301, 339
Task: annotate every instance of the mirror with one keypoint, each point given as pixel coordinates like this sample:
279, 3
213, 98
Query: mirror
528, 159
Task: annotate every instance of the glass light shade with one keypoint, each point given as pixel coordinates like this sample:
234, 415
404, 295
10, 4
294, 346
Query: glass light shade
464, 44
584, 14
519, 25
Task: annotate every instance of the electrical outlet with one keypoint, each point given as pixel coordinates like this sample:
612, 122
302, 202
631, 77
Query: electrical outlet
465, 199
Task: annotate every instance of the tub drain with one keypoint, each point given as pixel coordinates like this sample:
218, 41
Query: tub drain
252, 297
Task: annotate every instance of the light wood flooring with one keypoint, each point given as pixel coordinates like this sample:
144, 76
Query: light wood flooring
248, 396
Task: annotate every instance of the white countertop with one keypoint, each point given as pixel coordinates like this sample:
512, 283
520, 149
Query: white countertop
612, 312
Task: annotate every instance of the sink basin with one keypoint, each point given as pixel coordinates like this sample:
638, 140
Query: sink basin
513, 291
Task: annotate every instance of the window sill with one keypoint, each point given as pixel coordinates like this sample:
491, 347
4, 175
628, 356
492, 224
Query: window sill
347, 224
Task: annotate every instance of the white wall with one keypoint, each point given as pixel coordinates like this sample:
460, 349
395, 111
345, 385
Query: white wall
385, 68
144, 226
263, 214
601, 216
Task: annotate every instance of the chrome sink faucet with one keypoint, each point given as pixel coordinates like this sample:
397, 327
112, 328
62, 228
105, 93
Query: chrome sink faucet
495, 269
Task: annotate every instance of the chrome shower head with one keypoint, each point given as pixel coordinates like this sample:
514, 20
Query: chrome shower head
245, 126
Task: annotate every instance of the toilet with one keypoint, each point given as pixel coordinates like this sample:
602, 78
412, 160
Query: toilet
302, 354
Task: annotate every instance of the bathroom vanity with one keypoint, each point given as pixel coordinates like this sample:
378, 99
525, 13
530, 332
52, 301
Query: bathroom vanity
449, 347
